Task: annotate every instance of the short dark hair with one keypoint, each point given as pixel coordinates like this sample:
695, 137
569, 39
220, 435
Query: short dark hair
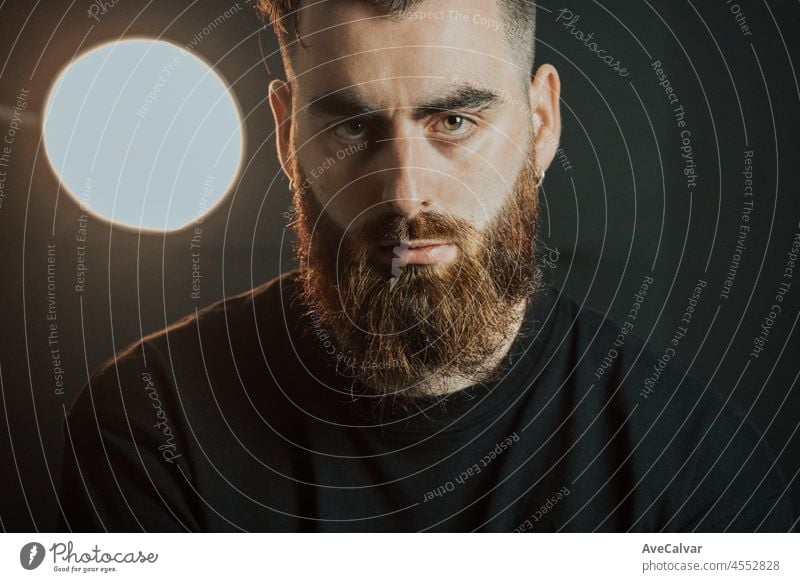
520, 20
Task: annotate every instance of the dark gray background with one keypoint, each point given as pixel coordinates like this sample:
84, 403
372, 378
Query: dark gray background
620, 212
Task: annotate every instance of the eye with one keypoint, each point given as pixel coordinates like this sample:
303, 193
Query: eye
453, 122
455, 125
351, 130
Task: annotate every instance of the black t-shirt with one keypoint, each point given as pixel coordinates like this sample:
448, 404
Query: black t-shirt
240, 419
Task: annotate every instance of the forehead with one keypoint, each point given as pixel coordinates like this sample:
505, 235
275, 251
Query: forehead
390, 60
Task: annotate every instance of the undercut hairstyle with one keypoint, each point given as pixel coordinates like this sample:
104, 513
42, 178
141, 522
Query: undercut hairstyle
519, 23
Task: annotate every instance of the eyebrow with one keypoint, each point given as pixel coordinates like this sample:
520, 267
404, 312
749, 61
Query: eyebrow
347, 102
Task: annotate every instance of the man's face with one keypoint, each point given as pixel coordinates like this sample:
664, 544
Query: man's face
445, 117
414, 172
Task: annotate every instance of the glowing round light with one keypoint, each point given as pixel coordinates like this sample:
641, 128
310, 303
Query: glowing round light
143, 133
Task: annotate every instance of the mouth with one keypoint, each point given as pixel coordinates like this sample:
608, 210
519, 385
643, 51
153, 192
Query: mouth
398, 253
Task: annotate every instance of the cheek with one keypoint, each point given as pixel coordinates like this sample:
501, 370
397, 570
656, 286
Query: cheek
490, 172
335, 186
480, 202
480, 192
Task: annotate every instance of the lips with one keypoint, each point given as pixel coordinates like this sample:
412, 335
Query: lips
416, 252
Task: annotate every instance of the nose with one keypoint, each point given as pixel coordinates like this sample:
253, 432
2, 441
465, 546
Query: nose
404, 180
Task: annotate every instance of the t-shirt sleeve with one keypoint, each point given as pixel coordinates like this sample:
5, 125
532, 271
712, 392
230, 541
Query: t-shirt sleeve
125, 467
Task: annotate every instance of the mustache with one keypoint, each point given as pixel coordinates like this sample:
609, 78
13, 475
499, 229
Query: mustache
424, 225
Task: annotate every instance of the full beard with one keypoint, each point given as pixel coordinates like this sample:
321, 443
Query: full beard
402, 330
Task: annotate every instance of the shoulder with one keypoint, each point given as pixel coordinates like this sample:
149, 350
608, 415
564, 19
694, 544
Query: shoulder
686, 433
189, 347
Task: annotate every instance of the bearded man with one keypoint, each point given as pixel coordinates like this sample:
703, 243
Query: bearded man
413, 373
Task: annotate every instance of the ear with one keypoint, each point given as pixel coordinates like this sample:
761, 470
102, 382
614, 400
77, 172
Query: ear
280, 101
545, 99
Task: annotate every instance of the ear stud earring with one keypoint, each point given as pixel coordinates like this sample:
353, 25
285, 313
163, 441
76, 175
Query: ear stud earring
540, 178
